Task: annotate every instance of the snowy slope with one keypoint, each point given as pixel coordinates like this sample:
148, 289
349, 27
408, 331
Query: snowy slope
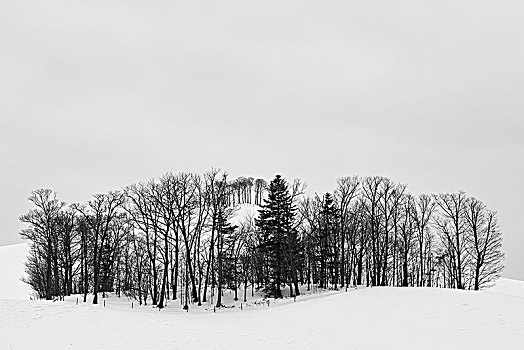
508, 287
244, 213
372, 318
367, 318
12, 259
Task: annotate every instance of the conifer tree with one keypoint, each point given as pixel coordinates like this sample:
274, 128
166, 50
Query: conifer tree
327, 242
278, 239
224, 232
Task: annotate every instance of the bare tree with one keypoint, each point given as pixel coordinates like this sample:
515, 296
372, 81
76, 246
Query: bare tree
216, 188
99, 214
451, 223
407, 235
67, 238
390, 196
423, 209
484, 242
190, 218
42, 233
143, 213
164, 196
260, 187
347, 190
371, 190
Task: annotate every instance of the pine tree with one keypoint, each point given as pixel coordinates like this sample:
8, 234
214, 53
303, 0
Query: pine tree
278, 238
327, 242
106, 267
224, 233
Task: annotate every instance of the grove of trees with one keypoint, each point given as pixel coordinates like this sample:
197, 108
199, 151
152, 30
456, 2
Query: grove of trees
179, 237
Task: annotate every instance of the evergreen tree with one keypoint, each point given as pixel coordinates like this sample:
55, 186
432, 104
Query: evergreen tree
278, 239
106, 267
327, 244
224, 236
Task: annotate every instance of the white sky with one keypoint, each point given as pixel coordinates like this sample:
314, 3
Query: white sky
95, 95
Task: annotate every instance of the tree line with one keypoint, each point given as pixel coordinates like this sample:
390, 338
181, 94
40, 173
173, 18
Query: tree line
179, 237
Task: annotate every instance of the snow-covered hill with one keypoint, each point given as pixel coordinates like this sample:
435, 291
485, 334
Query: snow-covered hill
244, 213
12, 259
367, 318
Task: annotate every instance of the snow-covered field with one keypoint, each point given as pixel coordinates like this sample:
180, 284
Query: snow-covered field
367, 318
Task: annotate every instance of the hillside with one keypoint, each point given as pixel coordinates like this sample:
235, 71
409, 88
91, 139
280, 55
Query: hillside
367, 318
12, 259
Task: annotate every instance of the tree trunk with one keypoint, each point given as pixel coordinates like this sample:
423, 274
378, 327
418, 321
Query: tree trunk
219, 284
166, 271
191, 272
49, 280
211, 255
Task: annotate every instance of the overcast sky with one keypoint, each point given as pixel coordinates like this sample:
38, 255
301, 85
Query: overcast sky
95, 95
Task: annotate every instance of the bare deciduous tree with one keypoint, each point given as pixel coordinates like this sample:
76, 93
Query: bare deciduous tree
42, 233
99, 214
484, 242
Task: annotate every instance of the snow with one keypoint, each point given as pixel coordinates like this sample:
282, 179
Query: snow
243, 213
365, 318
508, 287
12, 259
